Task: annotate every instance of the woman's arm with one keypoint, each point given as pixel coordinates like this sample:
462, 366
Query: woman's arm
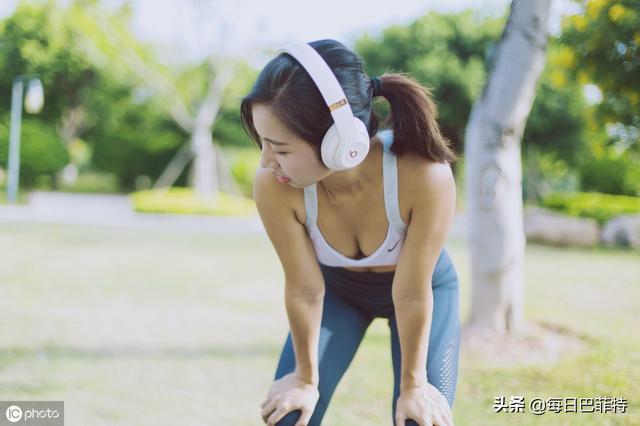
305, 315
432, 213
304, 284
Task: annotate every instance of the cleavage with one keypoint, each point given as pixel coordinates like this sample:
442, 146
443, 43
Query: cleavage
337, 225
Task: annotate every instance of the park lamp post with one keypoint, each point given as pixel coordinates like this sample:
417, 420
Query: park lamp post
33, 104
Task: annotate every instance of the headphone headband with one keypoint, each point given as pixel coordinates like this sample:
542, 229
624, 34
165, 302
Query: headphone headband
328, 85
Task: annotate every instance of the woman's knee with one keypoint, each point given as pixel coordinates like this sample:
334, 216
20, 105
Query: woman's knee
316, 418
290, 419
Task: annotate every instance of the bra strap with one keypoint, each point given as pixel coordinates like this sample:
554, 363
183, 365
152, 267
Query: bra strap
311, 204
390, 174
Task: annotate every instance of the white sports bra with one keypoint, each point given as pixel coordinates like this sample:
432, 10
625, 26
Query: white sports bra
389, 251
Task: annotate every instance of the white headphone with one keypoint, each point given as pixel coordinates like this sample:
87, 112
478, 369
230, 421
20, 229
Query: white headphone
346, 143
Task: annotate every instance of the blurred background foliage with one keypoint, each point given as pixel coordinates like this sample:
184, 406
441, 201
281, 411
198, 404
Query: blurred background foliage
115, 122
43, 152
604, 43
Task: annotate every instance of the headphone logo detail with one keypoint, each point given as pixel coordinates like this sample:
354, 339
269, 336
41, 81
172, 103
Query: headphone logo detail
353, 154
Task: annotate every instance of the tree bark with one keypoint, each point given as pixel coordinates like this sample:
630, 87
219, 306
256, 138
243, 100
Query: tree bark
204, 165
493, 175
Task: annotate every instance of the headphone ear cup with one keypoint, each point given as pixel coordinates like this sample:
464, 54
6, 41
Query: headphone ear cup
330, 147
338, 155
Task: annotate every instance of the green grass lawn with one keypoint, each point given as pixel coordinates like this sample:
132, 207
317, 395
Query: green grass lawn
162, 328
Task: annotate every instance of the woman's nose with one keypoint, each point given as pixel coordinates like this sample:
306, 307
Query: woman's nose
267, 159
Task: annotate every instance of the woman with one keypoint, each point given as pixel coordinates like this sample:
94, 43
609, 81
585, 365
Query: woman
327, 223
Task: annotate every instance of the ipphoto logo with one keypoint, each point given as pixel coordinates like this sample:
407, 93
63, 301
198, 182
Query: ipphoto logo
35, 413
14, 413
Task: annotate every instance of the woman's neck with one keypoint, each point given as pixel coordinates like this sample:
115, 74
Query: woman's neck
344, 185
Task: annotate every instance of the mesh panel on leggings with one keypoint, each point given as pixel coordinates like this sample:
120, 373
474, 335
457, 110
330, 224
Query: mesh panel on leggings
448, 371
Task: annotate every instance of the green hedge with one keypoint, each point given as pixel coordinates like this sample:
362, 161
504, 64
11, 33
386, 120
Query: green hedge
611, 174
41, 149
186, 201
595, 205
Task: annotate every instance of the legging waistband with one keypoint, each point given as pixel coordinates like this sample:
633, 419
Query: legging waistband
444, 274
363, 277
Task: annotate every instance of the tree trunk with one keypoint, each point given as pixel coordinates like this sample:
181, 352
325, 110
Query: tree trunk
71, 124
204, 165
172, 172
494, 172
204, 171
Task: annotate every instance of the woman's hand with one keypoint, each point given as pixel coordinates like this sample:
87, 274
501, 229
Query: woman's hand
287, 394
425, 405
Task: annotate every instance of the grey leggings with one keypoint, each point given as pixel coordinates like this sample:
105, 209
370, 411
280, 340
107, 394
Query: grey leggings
352, 300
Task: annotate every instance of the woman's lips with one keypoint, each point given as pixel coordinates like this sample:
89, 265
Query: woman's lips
282, 179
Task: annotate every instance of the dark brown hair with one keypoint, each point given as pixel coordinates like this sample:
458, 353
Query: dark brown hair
286, 87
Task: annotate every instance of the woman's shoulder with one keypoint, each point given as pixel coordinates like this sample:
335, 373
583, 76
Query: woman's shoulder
420, 177
413, 165
286, 197
424, 170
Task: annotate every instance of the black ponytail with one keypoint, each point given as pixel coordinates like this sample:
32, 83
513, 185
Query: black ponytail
414, 119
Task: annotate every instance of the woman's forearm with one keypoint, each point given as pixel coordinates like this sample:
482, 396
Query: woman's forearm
305, 316
413, 319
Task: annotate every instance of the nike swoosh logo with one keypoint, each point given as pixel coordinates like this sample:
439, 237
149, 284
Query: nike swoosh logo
394, 246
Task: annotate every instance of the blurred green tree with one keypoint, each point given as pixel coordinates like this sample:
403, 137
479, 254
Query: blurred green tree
556, 136
127, 131
605, 47
37, 40
190, 95
557, 123
42, 153
447, 52
130, 136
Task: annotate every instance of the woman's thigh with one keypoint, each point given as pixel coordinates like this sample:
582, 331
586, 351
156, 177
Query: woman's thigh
341, 332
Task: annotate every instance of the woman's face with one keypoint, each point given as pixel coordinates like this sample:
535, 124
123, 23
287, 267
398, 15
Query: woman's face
288, 156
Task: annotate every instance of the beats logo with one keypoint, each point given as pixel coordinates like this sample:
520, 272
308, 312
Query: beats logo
353, 153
